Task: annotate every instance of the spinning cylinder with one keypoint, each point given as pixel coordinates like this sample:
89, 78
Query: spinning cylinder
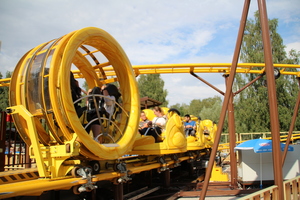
41, 83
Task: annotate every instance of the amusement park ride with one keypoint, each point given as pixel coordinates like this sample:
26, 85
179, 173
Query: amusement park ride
66, 154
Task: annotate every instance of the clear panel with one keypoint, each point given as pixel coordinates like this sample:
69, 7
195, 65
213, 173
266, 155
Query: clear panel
33, 85
46, 81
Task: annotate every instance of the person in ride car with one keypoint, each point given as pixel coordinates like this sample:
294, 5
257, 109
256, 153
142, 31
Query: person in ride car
189, 125
106, 107
158, 123
144, 124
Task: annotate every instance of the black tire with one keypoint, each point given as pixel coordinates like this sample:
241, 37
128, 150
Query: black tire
95, 165
276, 73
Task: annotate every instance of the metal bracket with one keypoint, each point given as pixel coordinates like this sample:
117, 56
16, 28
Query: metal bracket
164, 165
86, 174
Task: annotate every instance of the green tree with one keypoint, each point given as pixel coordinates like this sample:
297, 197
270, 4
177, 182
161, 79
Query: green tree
252, 46
152, 86
251, 106
293, 57
182, 108
195, 107
211, 108
4, 103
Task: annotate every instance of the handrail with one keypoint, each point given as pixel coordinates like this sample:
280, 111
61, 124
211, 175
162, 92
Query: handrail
291, 191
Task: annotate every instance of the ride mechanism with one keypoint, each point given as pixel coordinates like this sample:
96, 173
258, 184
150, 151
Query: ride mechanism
46, 116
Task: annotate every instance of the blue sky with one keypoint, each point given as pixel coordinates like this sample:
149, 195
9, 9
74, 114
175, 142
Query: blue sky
150, 32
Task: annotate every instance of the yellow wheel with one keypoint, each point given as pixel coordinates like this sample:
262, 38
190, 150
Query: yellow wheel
46, 68
75, 171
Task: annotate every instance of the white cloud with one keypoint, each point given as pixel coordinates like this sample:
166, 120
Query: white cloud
294, 45
176, 79
182, 88
190, 88
287, 11
150, 31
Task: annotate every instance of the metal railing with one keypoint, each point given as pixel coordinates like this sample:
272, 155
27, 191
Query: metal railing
242, 137
14, 152
291, 191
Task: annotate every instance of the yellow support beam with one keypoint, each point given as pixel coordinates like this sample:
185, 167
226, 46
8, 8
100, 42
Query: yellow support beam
29, 118
4, 82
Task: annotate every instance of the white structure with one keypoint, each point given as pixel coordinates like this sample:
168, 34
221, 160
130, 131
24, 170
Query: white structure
259, 166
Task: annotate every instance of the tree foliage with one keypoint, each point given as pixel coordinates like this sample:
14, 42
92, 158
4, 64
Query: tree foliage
252, 46
182, 108
152, 86
211, 108
208, 108
251, 106
4, 103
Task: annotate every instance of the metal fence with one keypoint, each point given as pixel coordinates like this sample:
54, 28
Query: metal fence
291, 191
13, 151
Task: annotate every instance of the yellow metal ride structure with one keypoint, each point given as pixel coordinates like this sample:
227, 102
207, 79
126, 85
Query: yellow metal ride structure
66, 154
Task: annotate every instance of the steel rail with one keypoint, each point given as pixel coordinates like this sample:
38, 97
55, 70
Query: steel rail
253, 68
41, 185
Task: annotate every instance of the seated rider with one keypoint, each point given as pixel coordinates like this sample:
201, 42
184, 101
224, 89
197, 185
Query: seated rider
145, 123
189, 125
113, 93
105, 107
76, 94
158, 124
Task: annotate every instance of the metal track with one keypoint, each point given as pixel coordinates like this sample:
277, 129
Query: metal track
140, 193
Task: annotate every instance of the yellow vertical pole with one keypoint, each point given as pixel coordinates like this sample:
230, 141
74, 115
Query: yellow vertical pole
21, 110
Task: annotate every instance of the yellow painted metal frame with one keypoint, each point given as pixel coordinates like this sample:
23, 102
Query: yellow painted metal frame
224, 68
121, 65
28, 117
37, 187
48, 158
52, 149
64, 136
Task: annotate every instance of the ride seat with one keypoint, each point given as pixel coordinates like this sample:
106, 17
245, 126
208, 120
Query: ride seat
196, 142
149, 114
174, 139
208, 132
205, 135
